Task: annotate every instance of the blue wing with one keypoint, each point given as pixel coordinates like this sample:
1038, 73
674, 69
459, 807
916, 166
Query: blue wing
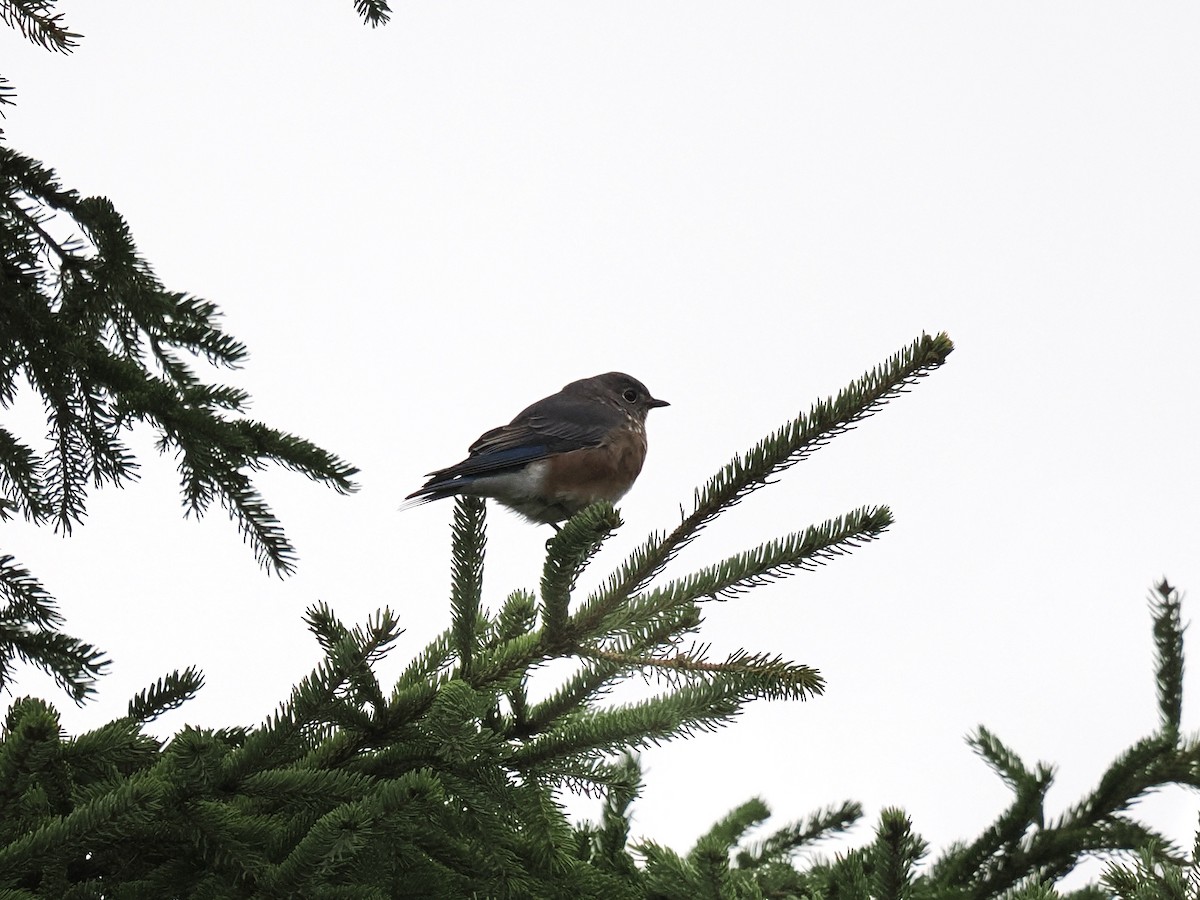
557, 424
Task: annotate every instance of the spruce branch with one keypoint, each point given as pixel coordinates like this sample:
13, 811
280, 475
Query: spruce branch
362, 686
25, 599
1153, 875
21, 488
801, 551
1165, 606
822, 824
727, 831
775, 677
1133, 772
254, 519
262, 443
1004, 761
373, 12
453, 722
567, 554
434, 658
895, 853
214, 455
588, 684
1121, 833
805, 550
505, 663
995, 847
100, 756
24, 208
702, 705
517, 617
624, 782
312, 788
169, 692
593, 778
514, 623
748, 472
105, 345
67, 475
348, 829
37, 24
652, 629
710, 862
1019, 850
315, 696
668, 875
325, 626
75, 828
29, 633
466, 588
597, 675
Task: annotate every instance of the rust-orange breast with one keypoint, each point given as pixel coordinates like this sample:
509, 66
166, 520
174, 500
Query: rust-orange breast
606, 472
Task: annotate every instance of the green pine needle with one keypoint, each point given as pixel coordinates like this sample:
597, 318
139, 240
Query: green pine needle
895, 853
750, 471
89, 326
1165, 605
822, 824
466, 590
169, 692
39, 25
567, 554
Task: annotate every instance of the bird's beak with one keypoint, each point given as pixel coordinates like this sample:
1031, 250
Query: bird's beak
653, 404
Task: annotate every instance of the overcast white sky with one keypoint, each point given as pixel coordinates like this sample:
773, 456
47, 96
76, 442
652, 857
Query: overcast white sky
421, 229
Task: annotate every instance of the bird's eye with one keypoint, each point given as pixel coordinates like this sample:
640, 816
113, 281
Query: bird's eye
630, 395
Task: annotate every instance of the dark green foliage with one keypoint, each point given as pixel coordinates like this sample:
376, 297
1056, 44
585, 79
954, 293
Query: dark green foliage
466, 589
1019, 856
334, 796
29, 623
1168, 645
751, 471
1153, 875
88, 326
103, 345
165, 694
37, 22
373, 12
570, 551
799, 836
446, 785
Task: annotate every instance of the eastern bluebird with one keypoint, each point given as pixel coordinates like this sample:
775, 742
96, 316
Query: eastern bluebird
584, 444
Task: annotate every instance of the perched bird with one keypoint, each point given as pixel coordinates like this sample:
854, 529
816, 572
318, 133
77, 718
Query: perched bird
584, 444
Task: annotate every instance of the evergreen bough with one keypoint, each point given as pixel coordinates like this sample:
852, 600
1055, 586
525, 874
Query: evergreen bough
446, 784
93, 335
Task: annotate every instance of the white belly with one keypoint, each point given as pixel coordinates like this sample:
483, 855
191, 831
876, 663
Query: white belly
526, 482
